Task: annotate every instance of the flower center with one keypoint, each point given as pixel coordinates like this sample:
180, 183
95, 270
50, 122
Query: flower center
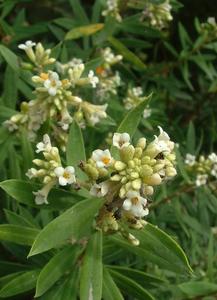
134, 200
53, 83
66, 175
106, 160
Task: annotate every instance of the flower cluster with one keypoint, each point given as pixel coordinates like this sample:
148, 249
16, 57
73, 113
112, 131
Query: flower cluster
205, 168
109, 81
50, 170
133, 98
209, 29
112, 10
158, 15
57, 99
127, 178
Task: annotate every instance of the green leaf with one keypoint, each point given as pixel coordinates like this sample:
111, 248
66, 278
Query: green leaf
75, 151
10, 94
130, 287
22, 191
21, 284
79, 11
82, 31
197, 289
191, 139
158, 247
10, 58
127, 54
91, 270
110, 289
18, 234
16, 219
55, 268
132, 119
27, 151
144, 279
72, 224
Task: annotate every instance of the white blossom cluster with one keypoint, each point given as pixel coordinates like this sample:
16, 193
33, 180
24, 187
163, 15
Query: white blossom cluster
127, 179
112, 10
158, 15
50, 170
205, 168
56, 97
133, 98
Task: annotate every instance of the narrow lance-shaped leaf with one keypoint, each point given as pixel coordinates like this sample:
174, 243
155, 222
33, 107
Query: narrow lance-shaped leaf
91, 271
75, 151
20, 284
72, 224
110, 289
83, 31
10, 57
130, 287
130, 123
62, 262
158, 247
22, 191
18, 234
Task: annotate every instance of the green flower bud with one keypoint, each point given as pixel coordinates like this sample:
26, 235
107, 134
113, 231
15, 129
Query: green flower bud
136, 184
170, 172
134, 175
154, 179
146, 160
127, 153
116, 178
91, 171
119, 165
146, 171
158, 167
141, 143
138, 152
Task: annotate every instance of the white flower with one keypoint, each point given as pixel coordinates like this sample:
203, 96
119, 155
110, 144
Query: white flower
45, 145
27, 45
93, 79
121, 140
52, 83
137, 91
135, 204
65, 176
10, 125
201, 179
162, 142
147, 113
190, 159
211, 21
213, 157
94, 113
102, 158
32, 172
41, 195
99, 190
214, 170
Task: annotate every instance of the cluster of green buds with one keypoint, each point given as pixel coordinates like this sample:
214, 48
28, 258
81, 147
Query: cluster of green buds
112, 10
109, 80
127, 177
50, 170
134, 97
209, 29
38, 56
56, 98
157, 15
204, 169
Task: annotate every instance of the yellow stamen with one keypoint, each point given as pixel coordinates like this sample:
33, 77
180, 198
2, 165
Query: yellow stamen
44, 76
106, 160
66, 175
134, 200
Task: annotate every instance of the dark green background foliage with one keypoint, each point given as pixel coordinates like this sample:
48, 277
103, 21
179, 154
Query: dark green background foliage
183, 79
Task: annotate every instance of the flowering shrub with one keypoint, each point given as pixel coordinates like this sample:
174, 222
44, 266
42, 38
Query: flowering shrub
108, 161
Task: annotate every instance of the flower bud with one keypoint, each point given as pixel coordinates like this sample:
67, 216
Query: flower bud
91, 171
119, 165
136, 184
141, 143
154, 179
127, 153
146, 171
171, 172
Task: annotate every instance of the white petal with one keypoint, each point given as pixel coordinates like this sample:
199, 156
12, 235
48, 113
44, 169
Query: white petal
127, 204
52, 91
63, 181
59, 171
70, 169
